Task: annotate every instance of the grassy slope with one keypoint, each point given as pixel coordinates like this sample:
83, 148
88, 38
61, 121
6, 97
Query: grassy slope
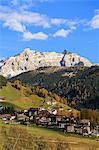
10, 93
37, 138
17, 99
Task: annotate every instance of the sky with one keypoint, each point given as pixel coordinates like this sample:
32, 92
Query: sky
50, 25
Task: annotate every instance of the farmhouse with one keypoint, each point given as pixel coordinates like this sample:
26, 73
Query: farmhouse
5, 117
51, 102
22, 118
33, 112
43, 118
70, 128
83, 127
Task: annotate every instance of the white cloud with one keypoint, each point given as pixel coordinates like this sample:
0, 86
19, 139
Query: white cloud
22, 4
73, 27
36, 36
32, 18
60, 21
57, 21
20, 20
25, 17
15, 25
14, 2
94, 23
62, 33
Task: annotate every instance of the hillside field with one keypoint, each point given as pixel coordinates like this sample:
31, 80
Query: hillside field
20, 100
37, 138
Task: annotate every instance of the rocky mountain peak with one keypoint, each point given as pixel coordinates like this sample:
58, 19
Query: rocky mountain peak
32, 59
27, 51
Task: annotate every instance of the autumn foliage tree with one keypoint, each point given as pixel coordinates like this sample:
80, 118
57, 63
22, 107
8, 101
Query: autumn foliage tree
91, 114
3, 81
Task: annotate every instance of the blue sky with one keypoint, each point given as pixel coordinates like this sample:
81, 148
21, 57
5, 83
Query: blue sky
50, 25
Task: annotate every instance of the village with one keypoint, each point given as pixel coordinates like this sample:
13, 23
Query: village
50, 118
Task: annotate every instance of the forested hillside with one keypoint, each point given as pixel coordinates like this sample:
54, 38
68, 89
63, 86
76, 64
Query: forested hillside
79, 85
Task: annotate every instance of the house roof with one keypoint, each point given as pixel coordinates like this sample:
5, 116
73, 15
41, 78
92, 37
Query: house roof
44, 113
5, 115
84, 121
33, 109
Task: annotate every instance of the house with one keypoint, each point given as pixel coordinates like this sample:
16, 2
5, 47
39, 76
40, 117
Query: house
67, 124
86, 131
51, 102
8, 118
54, 111
62, 124
42, 118
96, 131
78, 128
48, 102
46, 118
44, 113
85, 126
44, 121
70, 120
58, 118
53, 120
70, 128
13, 117
22, 118
25, 111
85, 122
69, 110
5, 117
41, 108
33, 112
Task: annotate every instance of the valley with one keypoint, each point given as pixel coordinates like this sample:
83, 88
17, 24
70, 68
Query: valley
51, 105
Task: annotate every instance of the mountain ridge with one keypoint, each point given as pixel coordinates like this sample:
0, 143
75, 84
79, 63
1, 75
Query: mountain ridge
32, 59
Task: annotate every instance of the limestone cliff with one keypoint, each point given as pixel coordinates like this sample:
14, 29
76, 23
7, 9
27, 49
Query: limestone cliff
32, 59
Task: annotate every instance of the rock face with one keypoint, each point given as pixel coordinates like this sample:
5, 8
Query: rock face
32, 59
1, 63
